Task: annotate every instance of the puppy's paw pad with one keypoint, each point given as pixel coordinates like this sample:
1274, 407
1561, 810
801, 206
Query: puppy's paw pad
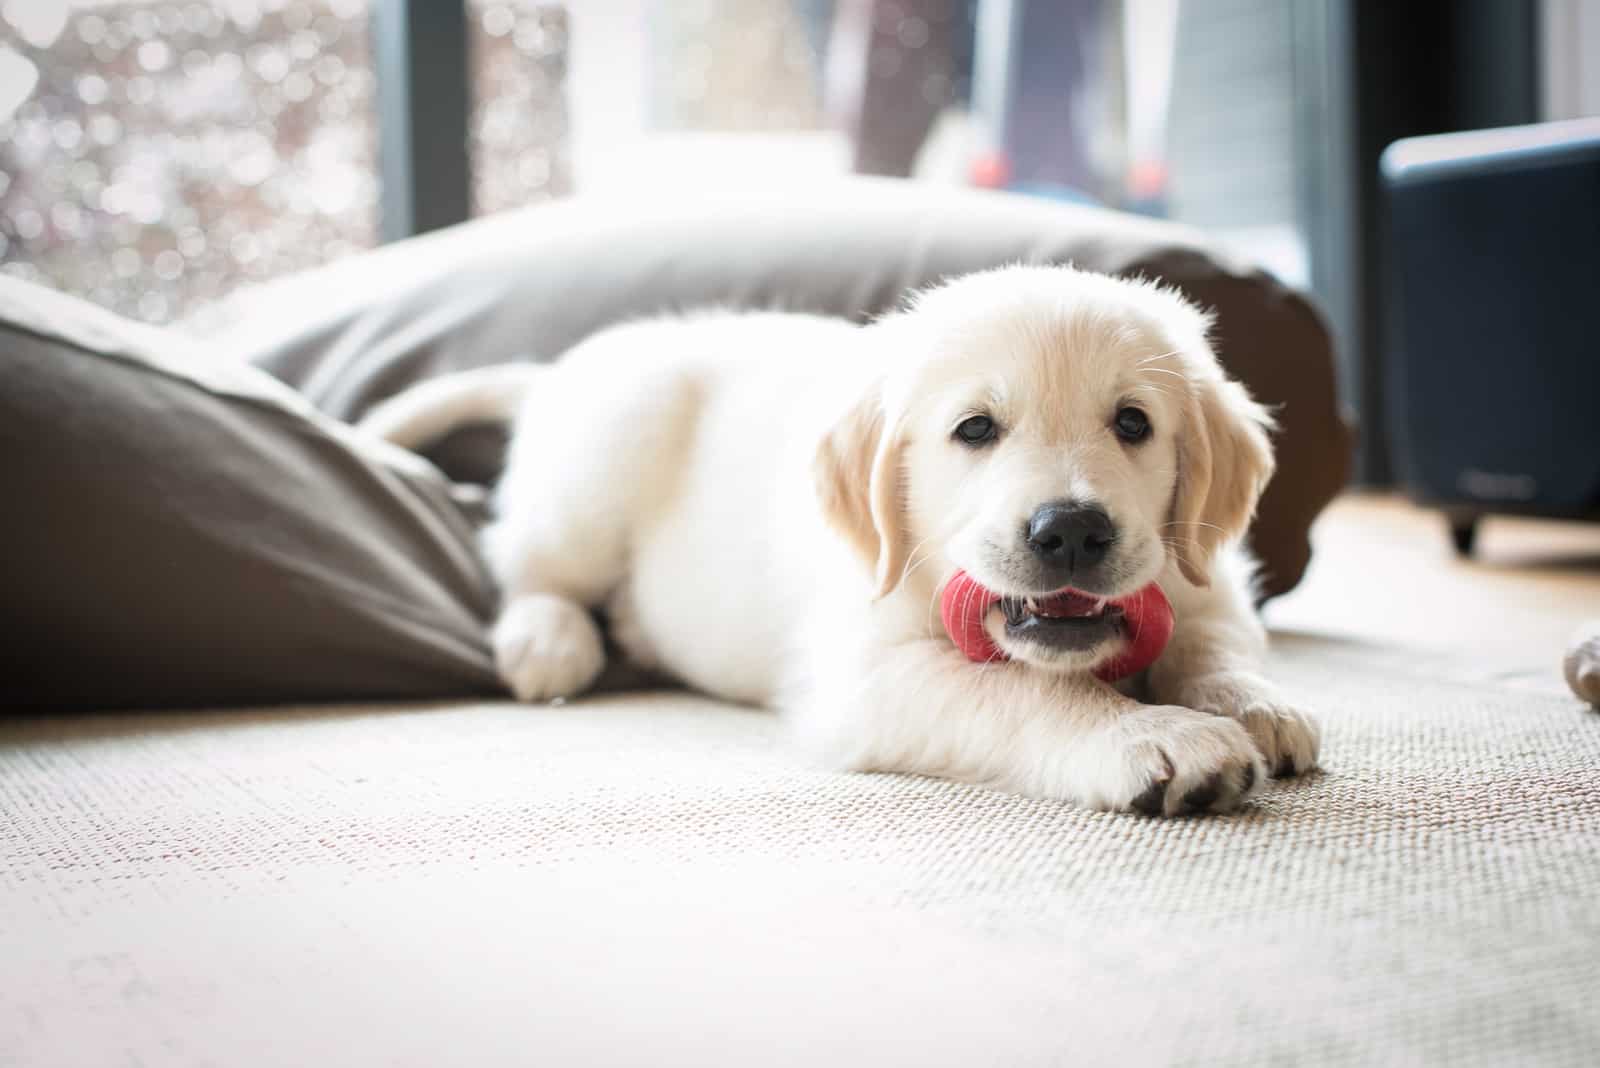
1202, 797
1153, 800
1247, 783
546, 647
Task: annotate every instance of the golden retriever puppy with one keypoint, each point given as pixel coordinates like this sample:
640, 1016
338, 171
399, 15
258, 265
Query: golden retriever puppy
768, 507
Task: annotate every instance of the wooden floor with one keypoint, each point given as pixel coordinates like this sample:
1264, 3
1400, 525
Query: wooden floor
1384, 571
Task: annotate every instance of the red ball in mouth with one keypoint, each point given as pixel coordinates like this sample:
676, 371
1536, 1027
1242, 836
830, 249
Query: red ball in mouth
1067, 619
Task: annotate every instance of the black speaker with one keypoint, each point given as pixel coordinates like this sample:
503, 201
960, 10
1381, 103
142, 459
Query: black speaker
1493, 321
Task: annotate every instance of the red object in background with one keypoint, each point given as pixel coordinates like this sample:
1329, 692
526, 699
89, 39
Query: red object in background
965, 604
1147, 180
991, 170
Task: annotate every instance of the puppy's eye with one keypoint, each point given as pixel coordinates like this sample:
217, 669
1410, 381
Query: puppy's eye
976, 430
1132, 425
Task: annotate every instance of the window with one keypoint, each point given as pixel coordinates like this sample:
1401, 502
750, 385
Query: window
1180, 109
155, 154
519, 132
168, 152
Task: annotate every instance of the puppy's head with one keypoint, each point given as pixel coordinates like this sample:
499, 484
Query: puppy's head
1046, 430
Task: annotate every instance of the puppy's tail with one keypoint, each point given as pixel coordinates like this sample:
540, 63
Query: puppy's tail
429, 410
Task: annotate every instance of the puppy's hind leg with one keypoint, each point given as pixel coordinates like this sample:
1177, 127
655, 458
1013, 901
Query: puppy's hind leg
546, 646
581, 477
554, 558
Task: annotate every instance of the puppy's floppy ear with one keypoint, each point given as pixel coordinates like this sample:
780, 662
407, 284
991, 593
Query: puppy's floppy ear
1224, 462
859, 484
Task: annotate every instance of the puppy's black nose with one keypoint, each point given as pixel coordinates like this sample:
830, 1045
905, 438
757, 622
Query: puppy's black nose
1069, 536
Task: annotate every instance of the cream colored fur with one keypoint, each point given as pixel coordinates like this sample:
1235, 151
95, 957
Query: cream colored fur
767, 506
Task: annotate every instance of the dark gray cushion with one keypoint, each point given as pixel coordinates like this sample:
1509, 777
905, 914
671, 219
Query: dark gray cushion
183, 529
528, 284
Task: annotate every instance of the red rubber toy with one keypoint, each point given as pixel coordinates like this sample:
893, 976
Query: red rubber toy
965, 604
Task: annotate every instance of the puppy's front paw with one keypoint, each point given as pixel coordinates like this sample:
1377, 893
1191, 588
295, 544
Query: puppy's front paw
1172, 761
546, 647
1288, 738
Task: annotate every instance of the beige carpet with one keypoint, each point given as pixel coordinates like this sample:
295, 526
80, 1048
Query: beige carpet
650, 880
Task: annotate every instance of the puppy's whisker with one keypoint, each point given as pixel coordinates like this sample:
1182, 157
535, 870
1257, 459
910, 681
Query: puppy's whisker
1157, 584
1157, 356
1182, 557
910, 566
912, 570
966, 600
1192, 523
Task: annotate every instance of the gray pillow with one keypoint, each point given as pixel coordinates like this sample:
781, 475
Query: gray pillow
528, 284
183, 529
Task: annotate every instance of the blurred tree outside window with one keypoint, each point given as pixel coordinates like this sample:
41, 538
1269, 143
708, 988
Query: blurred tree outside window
157, 154
171, 151
518, 130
